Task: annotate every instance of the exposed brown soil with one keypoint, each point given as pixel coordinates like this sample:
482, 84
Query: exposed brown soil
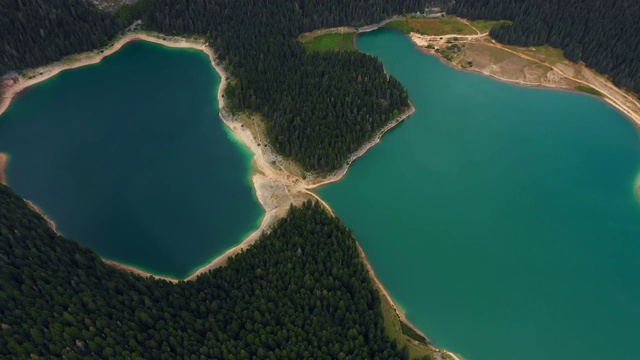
524, 66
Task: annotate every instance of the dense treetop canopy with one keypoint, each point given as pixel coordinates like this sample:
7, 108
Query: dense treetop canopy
603, 34
302, 291
36, 32
319, 107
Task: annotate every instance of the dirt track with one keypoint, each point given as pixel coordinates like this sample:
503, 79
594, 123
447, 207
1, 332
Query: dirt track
520, 68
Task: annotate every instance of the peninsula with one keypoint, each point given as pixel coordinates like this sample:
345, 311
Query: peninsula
295, 92
352, 119
279, 183
466, 45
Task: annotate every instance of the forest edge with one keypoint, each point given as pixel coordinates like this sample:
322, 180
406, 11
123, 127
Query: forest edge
276, 187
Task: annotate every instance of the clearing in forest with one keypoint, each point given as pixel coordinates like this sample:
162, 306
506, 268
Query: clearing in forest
433, 26
486, 25
329, 42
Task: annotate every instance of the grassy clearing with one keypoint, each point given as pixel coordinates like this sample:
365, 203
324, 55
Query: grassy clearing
486, 25
427, 26
400, 25
330, 42
589, 90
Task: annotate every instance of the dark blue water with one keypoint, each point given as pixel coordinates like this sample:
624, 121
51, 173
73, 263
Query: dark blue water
130, 158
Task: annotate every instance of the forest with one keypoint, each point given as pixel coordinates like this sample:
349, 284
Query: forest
318, 107
300, 292
37, 32
602, 34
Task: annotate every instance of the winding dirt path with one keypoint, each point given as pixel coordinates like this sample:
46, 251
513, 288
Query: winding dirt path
607, 92
276, 188
618, 98
471, 26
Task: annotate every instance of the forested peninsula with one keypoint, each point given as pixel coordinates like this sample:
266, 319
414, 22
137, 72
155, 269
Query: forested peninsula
603, 34
300, 292
319, 108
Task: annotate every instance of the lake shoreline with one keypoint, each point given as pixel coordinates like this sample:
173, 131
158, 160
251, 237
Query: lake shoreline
4, 160
608, 96
12, 87
271, 184
611, 94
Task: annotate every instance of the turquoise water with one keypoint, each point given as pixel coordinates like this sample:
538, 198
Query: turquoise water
130, 158
502, 219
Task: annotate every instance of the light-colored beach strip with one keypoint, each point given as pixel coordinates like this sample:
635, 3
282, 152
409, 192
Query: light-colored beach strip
276, 189
622, 100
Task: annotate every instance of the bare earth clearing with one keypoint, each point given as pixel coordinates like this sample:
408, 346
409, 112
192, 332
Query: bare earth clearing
279, 183
534, 66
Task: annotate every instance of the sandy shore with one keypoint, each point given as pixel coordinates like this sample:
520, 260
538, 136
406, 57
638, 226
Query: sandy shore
385, 293
524, 67
398, 311
136, 271
4, 160
276, 188
271, 184
337, 175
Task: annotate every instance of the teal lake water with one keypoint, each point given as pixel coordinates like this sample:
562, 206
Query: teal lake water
130, 158
502, 219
